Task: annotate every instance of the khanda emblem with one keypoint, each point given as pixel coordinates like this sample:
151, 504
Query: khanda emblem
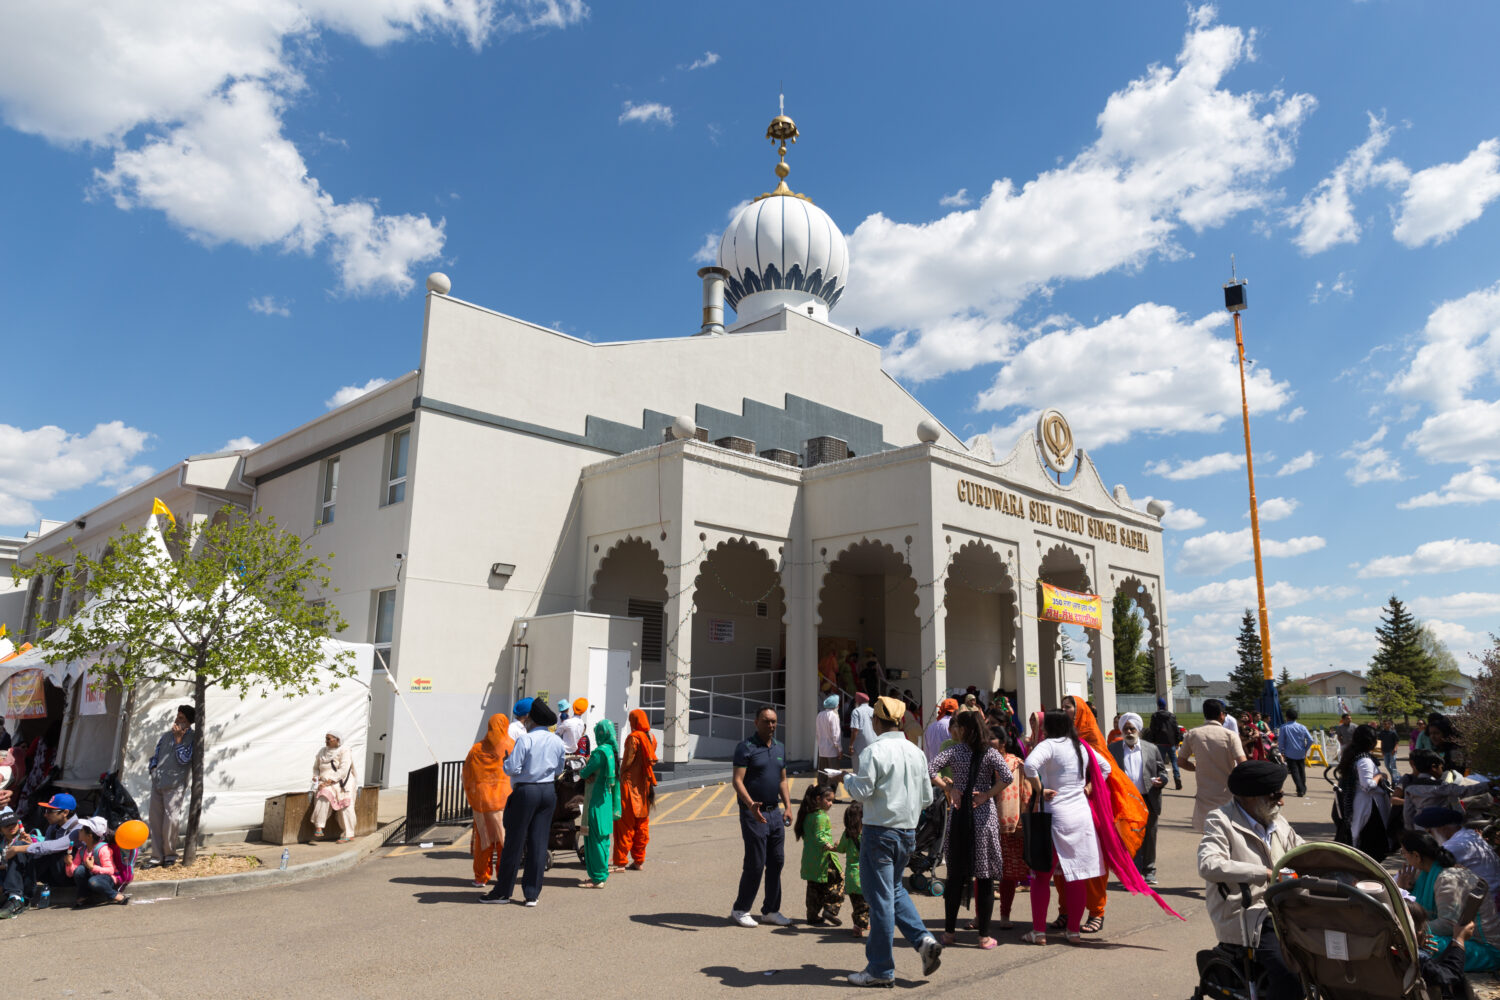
1056, 439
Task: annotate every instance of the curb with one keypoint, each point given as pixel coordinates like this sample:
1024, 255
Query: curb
261, 878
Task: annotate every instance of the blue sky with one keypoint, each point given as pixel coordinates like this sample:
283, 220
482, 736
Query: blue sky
216, 226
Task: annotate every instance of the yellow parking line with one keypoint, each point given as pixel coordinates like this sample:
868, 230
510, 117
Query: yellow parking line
671, 809
708, 802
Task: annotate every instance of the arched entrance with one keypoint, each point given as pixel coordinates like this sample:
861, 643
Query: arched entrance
1148, 672
1061, 567
868, 605
980, 616
739, 644
632, 581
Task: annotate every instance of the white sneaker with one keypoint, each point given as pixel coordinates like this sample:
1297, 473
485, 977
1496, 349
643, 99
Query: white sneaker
776, 918
743, 919
931, 952
869, 979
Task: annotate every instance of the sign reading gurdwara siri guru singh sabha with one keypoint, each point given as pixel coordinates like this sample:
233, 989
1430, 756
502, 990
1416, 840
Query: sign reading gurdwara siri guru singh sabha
978, 494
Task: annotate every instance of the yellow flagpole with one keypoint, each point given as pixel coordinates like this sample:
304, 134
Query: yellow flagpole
1260, 575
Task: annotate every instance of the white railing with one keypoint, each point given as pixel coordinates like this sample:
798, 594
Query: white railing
720, 706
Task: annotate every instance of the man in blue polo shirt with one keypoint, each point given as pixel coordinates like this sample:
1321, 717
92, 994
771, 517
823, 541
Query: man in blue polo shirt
760, 784
1293, 740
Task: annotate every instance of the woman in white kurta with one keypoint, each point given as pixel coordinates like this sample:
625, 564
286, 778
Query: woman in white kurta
1366, 795
1058, 769
334, 786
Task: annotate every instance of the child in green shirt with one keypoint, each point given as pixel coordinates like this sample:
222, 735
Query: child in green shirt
821, 863
854, 817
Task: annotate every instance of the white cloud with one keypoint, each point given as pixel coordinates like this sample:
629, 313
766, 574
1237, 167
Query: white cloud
349, 393
1230, 595
1197, 468
1218, 550
1441, 200
1371, 464
1294, 415
1468, 604
649, 113
1459, 640
1301, 463
1342, 285
189, 108
708, 59
708, 253
1150, 370
267, 305
1459, 352
1174, 149
1176, 518
1473, 486
36, 465
240, 444
1325, 217
1278, 508
958, 199
1445, 556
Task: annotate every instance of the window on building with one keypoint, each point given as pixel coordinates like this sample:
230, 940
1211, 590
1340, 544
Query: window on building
330, 492
55, 585
385, 625
319, 618
395, 479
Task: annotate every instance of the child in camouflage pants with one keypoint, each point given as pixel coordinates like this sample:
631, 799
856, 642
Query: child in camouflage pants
849, 844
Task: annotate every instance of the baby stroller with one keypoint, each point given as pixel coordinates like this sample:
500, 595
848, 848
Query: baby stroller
1343, 926
926, 855
563, 834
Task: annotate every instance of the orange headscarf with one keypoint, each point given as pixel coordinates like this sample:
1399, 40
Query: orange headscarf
636, 774
485, 781
947, 707
1129, 808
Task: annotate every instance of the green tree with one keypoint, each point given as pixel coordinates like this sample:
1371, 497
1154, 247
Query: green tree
1129, 629
1399, 651
1392, 695
1479, 718
1247, 679
219, 603
1288, 686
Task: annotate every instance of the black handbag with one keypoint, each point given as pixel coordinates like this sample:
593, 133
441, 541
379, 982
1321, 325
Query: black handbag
1036, 833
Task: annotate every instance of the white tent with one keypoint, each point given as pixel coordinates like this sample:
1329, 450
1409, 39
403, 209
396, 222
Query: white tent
256, 747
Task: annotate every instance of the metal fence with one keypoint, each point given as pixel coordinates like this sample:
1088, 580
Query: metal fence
720, 706
1145, 704
435, 797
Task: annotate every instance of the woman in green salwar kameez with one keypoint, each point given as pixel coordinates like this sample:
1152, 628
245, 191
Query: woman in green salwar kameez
602, 772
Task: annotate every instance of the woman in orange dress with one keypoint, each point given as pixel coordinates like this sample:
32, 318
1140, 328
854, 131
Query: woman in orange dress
487, 787
637, 792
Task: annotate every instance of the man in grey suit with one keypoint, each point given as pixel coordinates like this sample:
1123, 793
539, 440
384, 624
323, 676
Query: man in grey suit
1144, 765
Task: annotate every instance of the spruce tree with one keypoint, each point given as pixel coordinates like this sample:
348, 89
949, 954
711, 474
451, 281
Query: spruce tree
1399, 651
1247, 680
1128, 629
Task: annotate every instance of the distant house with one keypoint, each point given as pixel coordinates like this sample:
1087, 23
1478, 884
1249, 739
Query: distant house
1456, 691
1195, 685
1337, 683
1218, 689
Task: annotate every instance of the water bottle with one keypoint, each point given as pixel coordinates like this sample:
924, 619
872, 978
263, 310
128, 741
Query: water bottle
44, 898
286, 855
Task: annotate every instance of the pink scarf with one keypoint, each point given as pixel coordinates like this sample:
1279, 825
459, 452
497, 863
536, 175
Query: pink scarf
1118, 859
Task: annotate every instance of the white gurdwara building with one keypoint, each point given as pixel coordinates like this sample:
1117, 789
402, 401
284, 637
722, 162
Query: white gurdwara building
688, 524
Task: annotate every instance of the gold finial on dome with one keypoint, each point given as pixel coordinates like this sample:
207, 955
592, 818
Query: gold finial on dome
783, 130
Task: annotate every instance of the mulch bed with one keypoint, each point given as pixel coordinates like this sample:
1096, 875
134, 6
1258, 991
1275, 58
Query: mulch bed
206, 865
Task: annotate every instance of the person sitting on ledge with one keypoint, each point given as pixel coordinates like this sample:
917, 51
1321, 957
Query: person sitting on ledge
95, 866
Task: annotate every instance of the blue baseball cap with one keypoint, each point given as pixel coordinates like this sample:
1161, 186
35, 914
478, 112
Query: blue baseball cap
523, 707
63, 801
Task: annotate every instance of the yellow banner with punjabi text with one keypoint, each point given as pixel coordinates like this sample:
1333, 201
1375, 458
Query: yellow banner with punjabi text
1059, 605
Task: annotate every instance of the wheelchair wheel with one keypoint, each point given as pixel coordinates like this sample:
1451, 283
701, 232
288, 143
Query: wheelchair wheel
936, 888
917, 883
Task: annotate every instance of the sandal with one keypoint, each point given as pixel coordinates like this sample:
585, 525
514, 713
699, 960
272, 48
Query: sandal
1034, 937
948, 939
1005, 924
987, 943
1093, 925
1060, 924
1073, 938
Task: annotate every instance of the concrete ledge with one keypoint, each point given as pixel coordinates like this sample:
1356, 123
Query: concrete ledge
261, 878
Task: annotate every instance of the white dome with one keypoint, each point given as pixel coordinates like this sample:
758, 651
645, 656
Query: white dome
783, 244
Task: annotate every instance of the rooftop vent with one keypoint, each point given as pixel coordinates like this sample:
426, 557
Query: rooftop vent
739, 444
783, 456
826, 449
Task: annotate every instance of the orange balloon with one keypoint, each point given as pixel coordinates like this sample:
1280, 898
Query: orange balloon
131, 834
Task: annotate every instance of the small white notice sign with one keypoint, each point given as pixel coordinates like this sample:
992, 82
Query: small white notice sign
1336, 945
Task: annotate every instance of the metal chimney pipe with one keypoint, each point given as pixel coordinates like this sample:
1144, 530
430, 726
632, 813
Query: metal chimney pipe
713, 299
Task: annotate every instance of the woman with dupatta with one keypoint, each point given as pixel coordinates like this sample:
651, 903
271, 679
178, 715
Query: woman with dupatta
334, 786
603, 797
488, 786
637, 793
1128, 814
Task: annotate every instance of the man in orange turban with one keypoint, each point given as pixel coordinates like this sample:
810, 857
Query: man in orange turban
637, 791
487, 787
